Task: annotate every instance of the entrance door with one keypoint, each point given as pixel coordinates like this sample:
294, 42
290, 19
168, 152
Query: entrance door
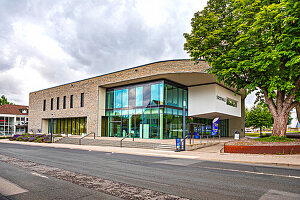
115, 128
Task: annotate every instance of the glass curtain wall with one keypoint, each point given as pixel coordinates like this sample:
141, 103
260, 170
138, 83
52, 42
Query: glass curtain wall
74, 126
147, 110
7, 125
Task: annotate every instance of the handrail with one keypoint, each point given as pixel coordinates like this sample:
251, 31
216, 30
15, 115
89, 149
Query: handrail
125, 138
54, 136
86, 136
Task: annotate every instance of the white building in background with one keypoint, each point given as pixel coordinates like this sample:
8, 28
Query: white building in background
295, 121
13, 119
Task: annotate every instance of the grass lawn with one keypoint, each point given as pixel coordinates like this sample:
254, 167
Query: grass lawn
254, 134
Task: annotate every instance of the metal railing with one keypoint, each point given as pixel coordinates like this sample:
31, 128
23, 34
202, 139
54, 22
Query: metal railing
209, 138
86, 136
121, 141
54, 136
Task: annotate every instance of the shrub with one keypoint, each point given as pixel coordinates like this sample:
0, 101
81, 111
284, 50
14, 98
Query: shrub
274, 138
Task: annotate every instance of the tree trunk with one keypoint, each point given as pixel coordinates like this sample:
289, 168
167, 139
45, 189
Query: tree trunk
298, 112
280, 125
260, 131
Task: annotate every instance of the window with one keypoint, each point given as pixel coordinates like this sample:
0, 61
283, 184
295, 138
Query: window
64, 102
157, 94
71, 101
82, 100
57, 103
44, 105
51, 103
139, 96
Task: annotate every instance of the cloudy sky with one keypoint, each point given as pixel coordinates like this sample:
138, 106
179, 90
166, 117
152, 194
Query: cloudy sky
45, 43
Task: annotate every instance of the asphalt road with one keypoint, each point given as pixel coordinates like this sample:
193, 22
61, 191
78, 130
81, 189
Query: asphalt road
187, 178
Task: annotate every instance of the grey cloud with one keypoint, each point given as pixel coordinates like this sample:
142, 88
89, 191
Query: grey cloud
99, 36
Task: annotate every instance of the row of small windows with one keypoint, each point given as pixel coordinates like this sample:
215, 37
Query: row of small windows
64, 102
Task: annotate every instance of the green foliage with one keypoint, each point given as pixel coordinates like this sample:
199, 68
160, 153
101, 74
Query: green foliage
252, 45
258, 116
5, 137
3, 100
249, 43
274, 138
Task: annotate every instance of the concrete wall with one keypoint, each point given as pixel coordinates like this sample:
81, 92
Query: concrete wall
238, 123
203, 99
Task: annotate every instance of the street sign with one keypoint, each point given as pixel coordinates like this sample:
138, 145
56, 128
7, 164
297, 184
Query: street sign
178, 143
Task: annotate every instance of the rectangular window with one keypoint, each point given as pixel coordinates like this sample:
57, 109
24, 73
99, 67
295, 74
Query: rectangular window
57, 103
82, 100
118, 98
131, 97
139, 96
51, 103
44, 105
157, 94
64, 102
125, 98
71, 101
110, 100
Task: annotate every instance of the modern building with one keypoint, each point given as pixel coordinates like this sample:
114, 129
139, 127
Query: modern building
146, 101
13, 119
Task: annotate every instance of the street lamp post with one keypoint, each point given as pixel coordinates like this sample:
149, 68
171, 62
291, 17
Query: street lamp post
184, 104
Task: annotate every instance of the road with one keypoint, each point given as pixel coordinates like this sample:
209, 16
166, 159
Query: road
60, 173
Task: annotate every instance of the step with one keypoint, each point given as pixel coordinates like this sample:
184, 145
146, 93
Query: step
115, 143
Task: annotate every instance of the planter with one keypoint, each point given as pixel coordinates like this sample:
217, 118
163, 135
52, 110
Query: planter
276, 149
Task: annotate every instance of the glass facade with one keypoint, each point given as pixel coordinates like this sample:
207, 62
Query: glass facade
7, 125
147, 110
74, 126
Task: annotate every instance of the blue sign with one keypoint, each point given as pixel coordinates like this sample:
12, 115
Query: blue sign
215, 126
178, 143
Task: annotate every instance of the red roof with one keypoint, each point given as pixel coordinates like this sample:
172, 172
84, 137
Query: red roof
13, 109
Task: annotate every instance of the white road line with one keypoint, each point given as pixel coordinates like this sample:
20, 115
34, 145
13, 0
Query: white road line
249, 172
8, 188
36, 174
279, 195
164, 155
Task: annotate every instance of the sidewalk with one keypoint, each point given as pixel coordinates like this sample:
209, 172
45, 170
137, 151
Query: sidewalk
211, 153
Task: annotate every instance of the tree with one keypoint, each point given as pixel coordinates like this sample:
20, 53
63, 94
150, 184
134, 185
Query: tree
258, 117
252, 45
3, 100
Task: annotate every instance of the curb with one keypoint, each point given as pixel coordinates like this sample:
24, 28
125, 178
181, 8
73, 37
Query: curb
164, 154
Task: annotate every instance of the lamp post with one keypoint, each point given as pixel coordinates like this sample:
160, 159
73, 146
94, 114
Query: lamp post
51, 130
184, 104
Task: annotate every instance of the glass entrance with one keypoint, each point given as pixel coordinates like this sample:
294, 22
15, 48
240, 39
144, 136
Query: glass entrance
115, 128
196, 129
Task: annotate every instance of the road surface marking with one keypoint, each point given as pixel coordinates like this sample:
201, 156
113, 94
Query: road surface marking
180, 162
279, 195
164, 155
250, 172
36, 174
8, 188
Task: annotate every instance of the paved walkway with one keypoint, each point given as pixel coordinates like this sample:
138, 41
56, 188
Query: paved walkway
212, 153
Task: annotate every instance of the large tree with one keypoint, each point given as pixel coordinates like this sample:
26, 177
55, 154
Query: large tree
258, 117
252, 45
3, 100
